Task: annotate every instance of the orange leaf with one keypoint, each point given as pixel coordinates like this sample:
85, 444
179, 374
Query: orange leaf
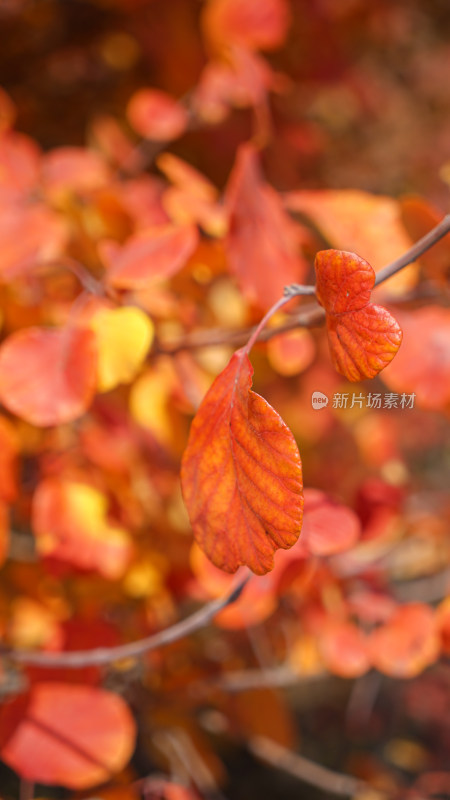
363, 337
407, 643
351, 220
241, 475
344, 649
423, 363
70, 524
48, 377
419, 217
152, 254
328, 528
66, 734
249, 23
156, 115
262, 241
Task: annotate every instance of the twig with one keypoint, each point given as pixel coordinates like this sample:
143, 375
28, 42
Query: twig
76, 659
417, 250
277, 677
307, 771
310, 315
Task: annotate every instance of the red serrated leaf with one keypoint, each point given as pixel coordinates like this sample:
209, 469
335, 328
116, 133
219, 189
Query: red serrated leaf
407, 643
48, 377
241, 475
66, 734
152, 254
261, 243
156, 115
363, 337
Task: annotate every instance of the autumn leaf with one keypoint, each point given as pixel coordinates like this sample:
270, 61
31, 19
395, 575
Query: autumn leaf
344, 649
48, 376
407, 643
262, 242
124, 336
66, 734
328, 527
156, 115
241, 475
152, 254
69, 521
248, 23
351, 220
363, 337
423, 364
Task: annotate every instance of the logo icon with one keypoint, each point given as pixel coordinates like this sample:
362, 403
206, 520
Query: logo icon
319, 400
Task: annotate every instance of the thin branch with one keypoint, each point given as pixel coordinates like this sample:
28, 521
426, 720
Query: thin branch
277, 677
327, 780
310, 316
414, 252
76, 659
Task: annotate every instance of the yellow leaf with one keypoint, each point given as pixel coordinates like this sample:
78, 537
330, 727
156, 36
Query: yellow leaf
124, 336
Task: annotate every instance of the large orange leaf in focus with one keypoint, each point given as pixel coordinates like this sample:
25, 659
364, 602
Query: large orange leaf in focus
156, 115
408, 643
262, 241
48, 377
423, 363
241, 475
151, 254
70, 522
255, 24
66, 734
360, 222
363, 337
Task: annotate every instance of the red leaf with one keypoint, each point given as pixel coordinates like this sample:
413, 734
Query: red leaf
66, 734
328, 528
70, 522
241, 475
344, 649
423, 363
363, 337
153, 254
249, 23
261, 241
156, 115
48, 377
407, 643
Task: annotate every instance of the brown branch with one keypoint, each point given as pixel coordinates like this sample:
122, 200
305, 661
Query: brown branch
76, 659
327, 780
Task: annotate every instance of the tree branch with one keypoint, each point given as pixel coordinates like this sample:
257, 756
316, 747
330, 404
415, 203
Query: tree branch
76, 659
308, 771
417, 250
309, 316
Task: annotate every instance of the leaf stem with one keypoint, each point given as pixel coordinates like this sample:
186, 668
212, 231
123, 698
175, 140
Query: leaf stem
272, 310
76, 659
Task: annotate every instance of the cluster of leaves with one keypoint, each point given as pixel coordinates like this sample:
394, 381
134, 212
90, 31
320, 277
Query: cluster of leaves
127, 279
